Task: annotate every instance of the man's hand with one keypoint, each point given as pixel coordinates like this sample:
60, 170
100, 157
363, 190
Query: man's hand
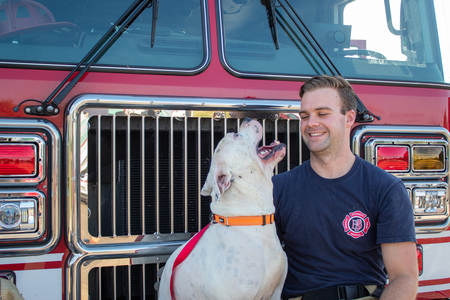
400, 260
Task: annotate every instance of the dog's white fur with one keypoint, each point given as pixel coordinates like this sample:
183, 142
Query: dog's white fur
235, 262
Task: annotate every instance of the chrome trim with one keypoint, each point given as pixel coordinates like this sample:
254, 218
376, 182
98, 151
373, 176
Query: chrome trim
79, 239
359, 131
79, 266
410, 135
374, 148
24, 139
410, 142
40, 225
444, 147
203, 65
89, 264
126, 250
53, 190
429, 223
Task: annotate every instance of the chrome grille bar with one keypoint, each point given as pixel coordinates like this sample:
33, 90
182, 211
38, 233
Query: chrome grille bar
128, 175
99, 175
288, 142
113, 182
158, 230
199, 172
143, 175
276, 137
185, 175
171, 177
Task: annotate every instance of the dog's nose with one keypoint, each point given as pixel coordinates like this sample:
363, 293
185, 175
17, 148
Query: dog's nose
247, 120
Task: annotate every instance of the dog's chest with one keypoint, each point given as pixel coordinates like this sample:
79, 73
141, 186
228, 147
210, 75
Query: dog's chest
231, 262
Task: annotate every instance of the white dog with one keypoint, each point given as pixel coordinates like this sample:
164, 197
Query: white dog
237, 257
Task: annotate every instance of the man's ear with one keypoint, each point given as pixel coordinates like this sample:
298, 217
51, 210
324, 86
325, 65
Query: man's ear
217, 182
350, 118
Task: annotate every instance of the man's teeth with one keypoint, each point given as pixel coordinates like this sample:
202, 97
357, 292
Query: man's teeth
316, 134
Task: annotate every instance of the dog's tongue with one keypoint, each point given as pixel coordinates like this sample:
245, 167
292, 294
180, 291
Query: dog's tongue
265, 152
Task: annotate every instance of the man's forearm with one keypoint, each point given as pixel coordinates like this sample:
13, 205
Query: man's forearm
403, 287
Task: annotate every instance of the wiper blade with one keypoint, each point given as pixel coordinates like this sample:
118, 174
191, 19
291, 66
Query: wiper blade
363, 115
49, 107
271, 16
155, 13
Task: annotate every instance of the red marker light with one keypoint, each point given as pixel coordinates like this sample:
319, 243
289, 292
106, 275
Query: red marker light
393, 158
17, 160
419, 250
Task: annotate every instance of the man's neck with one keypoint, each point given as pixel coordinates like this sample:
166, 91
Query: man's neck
332, 166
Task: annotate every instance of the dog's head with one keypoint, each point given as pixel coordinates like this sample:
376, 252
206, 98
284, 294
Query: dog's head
237, 156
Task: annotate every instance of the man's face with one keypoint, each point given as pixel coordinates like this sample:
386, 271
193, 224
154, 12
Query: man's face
324, 128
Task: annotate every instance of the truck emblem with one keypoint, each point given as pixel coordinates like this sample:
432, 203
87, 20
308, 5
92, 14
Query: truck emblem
356, 224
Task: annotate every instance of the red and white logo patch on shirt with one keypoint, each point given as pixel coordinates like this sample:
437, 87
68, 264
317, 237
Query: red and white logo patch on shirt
356, 224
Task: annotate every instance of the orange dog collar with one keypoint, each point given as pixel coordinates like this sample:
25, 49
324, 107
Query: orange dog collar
244, 221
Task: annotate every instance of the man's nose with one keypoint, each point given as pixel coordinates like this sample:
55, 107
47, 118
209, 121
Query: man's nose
312, 121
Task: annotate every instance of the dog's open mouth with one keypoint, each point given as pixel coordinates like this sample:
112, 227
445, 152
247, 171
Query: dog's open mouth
266, 152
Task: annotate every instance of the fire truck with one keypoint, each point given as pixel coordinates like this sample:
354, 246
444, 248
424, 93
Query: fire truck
110, 111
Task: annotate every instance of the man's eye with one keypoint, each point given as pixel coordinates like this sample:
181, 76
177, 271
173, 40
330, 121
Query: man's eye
303, 117
323, 115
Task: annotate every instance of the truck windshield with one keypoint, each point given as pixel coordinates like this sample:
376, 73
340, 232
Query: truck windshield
382, 40
52, 32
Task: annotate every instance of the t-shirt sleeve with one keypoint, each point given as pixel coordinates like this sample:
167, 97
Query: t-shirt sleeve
396, 216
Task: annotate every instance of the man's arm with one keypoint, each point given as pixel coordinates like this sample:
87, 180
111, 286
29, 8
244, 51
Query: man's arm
400, 260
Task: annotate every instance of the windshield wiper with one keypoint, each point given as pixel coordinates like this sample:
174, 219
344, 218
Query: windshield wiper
271, 16
363, 115
49, 107
155, 5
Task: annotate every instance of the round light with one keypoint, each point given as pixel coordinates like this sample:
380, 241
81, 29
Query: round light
10, 216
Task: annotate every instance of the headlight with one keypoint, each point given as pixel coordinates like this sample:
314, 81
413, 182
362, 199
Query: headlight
429, 201
18, 215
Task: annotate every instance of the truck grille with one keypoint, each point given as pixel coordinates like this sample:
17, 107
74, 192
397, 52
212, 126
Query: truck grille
152, 169
125, 279
137, 165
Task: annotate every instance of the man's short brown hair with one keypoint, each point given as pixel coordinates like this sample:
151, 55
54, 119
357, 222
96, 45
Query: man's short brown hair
342, 86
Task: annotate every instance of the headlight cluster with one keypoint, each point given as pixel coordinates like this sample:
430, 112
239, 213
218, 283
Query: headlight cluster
420, 157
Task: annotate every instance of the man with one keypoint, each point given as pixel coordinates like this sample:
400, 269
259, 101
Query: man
343, 221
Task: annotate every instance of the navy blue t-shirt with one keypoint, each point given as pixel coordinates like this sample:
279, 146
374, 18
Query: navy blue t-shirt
332, 228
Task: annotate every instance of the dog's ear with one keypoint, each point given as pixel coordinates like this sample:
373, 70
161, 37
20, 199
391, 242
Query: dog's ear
217, 182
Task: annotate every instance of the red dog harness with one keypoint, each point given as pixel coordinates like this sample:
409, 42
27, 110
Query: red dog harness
227, 221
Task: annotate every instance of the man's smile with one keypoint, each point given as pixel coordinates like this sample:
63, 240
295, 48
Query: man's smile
317, 133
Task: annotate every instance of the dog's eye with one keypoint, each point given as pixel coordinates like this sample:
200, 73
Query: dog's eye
236, 135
